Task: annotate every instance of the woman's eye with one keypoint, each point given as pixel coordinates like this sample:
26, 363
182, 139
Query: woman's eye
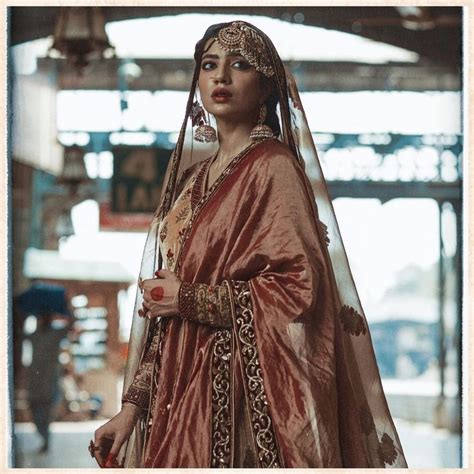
241, 64
208, 65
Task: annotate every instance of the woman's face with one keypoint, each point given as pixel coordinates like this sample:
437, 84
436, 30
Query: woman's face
231, 89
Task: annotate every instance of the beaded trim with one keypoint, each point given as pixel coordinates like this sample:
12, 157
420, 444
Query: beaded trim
221, 418
266, 445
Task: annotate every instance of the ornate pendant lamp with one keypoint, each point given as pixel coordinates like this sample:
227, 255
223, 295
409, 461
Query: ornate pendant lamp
74, 171
79, 36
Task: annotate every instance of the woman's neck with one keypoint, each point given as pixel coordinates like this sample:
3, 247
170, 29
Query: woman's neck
233, 138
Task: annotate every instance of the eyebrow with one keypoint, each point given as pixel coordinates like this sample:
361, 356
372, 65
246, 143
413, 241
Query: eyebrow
215, 56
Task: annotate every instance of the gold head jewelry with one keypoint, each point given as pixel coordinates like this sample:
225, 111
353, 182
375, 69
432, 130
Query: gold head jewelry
241, 38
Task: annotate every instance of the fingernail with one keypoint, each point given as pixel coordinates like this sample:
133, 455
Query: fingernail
109, 462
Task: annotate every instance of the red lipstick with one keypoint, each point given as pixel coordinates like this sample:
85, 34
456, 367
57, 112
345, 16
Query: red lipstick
221, 95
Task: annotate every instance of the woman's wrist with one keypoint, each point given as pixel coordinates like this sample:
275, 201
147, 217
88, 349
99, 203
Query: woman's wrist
132, 410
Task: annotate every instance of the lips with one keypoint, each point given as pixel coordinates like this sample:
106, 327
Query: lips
220, 93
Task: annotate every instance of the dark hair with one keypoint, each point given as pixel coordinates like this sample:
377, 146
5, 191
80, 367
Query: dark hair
271, 103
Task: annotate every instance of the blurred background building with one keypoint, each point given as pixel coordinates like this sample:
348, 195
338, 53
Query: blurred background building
97, 96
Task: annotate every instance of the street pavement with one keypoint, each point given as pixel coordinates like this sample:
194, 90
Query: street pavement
424, 446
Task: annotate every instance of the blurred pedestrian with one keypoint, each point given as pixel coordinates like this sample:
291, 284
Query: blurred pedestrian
49, 304
44, 372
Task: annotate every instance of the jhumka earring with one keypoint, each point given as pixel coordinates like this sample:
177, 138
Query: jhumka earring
261, 131
204, 133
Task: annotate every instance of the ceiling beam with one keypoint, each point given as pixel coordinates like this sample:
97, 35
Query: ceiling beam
441, 44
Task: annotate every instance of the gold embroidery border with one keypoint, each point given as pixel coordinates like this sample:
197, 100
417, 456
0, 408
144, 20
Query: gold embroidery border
265, 441
222, 401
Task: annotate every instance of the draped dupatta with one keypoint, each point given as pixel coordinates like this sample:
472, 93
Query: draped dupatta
291, 380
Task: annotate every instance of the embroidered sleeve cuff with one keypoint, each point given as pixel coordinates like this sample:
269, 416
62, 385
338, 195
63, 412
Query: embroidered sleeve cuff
139, 391
137, 397
205, 304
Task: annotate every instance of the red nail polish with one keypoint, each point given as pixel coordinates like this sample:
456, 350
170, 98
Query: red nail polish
110, 460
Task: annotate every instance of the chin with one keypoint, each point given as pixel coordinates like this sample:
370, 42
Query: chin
226, 111
215, 108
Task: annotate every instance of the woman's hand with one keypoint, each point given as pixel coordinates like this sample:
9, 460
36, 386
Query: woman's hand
114, 433
160, 295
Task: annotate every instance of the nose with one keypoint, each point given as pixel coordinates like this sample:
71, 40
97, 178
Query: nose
221, 74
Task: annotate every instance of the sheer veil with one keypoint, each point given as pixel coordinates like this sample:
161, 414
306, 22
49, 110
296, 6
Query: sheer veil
355, 352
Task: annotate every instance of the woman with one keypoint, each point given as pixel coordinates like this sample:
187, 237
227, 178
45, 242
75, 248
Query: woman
254, 351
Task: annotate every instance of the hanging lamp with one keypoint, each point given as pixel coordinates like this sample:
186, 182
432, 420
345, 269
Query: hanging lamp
80, 36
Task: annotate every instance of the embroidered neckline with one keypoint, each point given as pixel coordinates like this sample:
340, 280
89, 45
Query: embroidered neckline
200, 198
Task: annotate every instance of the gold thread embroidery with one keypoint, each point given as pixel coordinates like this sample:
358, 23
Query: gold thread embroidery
262, 426
221, 419
170, 258
182, 214
139, 390
205, 304
160, 332
164, 231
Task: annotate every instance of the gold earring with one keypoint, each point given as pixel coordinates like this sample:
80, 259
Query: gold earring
204, 133
261, 131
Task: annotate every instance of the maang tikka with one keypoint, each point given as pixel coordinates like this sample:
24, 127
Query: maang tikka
204, 133
242, 38
261, 131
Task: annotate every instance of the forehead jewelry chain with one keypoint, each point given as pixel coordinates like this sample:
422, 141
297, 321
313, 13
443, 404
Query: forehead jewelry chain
241, 38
